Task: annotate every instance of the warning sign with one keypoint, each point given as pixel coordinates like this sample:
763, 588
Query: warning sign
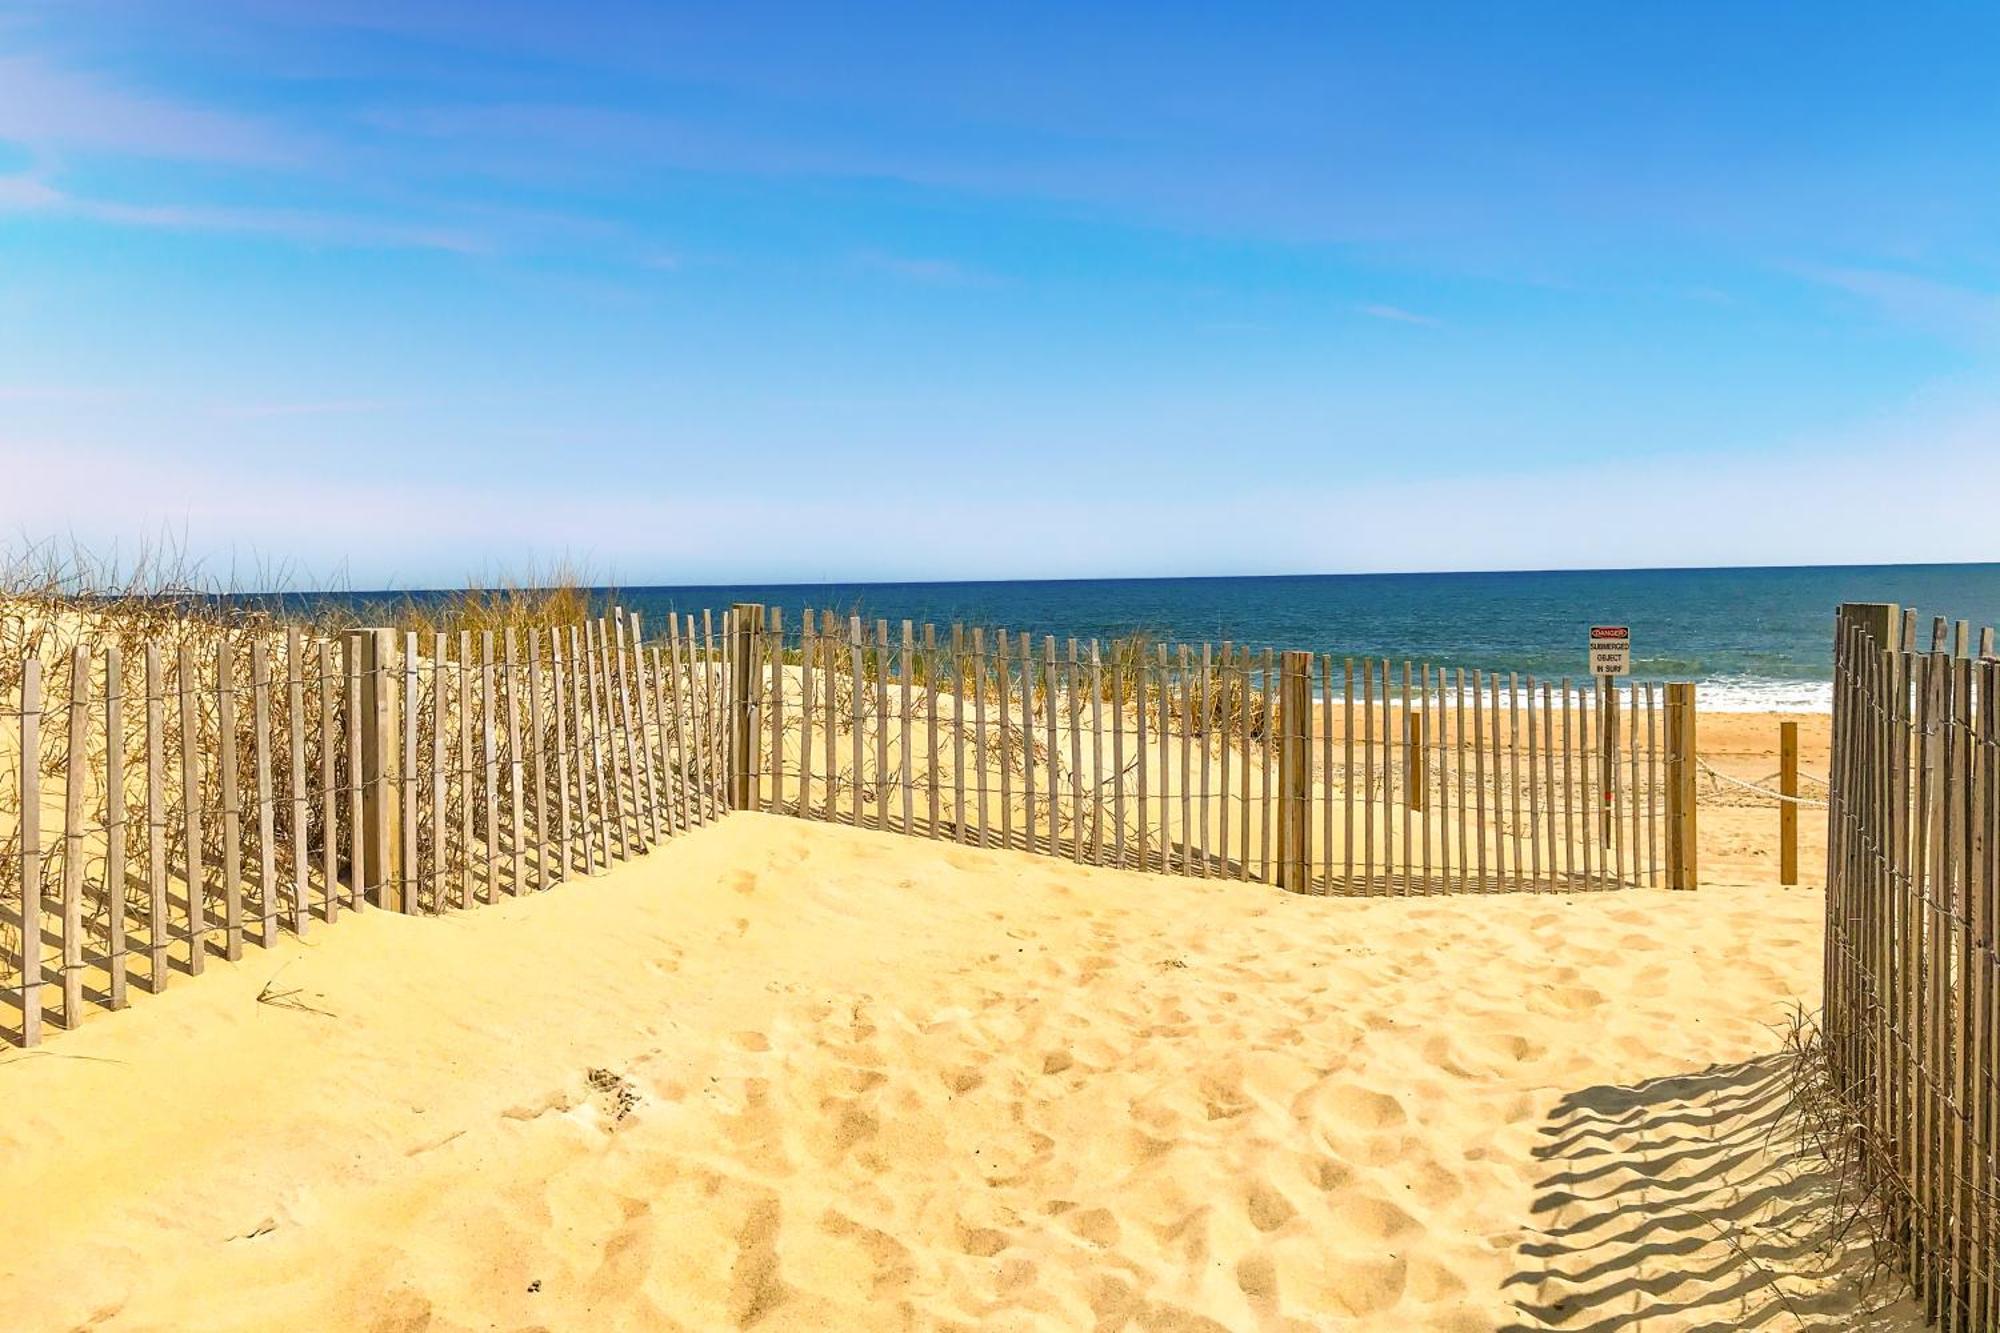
1610, 650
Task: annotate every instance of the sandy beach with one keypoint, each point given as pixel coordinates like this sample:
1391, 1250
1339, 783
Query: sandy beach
790, 1076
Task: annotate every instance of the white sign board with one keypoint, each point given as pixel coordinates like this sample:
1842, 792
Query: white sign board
1610, 650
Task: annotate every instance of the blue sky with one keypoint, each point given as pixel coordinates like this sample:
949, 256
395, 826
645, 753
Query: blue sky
403, 293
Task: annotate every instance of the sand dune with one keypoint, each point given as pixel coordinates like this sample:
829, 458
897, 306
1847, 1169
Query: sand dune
790, 1076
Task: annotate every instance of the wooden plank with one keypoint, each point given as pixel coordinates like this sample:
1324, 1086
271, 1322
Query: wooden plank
1388, 783
666, 709
357, 861
1412, 782
468, 770
489, 768
1525, 705
408, 780
232, 804
295, 732
559, 705
1347, 781
604, 708
1588, 797
1165, 693
538, 732
1419, 765
31, 971
1117, 757
1072, 693
830, 647
880, 674
329, 791
1368, 773
857, 717
1217, 681
1568, 789
1652, 789
1458, 763
776, 804
1025, 646
983, 776
116, 802
604, 754
933, 698
905, 742
1236, 736
1267, 844
1141, 793
1096, 755
1054, 785
1190, 862
809, 651
440, 770
195, 860
267, 865
633, 817
1615, 804
1633, 822
641, 719
1479, 779
1504, 845
958, 683
1326, 769
157, 926
957, 673
1292, 855
1551, 793
711, 680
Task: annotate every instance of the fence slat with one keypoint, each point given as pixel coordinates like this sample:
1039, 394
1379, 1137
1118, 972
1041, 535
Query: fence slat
31, 852
295, 735
267, 864
329, 769
116, 802
158, 927
232, 806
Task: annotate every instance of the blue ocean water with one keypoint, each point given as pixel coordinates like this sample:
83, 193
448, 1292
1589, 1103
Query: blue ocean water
1754, 638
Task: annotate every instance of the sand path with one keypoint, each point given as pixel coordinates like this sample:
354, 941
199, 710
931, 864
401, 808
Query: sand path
788, 1076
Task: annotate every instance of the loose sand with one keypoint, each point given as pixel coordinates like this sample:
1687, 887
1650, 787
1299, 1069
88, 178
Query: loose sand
792, 1076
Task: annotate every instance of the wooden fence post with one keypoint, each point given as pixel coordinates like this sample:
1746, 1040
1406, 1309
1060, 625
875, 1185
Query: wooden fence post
1788, 806
1682, 862
747, 618
1294, 868
381, 829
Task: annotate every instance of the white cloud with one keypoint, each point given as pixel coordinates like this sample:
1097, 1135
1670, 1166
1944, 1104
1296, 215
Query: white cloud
47, 107
935, 272
1398, 315
269, 411
31, 194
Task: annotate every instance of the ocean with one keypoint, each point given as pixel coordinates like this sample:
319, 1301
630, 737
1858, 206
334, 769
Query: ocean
1754, 639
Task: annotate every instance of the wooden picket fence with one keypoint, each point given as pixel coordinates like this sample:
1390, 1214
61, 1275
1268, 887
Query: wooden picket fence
1211, 760
187, 796
1911, 1025
163, 804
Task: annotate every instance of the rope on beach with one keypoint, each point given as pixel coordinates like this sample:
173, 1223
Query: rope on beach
1761, 791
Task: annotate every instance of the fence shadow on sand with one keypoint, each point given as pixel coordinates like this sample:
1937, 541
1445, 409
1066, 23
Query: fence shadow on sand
1689, 1202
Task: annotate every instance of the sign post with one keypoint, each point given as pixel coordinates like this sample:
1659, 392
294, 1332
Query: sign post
1610, 658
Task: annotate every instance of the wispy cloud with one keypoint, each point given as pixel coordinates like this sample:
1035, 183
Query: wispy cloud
1397, 315
1946, 309
47, 107
31, 194
935, 272
268, 411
